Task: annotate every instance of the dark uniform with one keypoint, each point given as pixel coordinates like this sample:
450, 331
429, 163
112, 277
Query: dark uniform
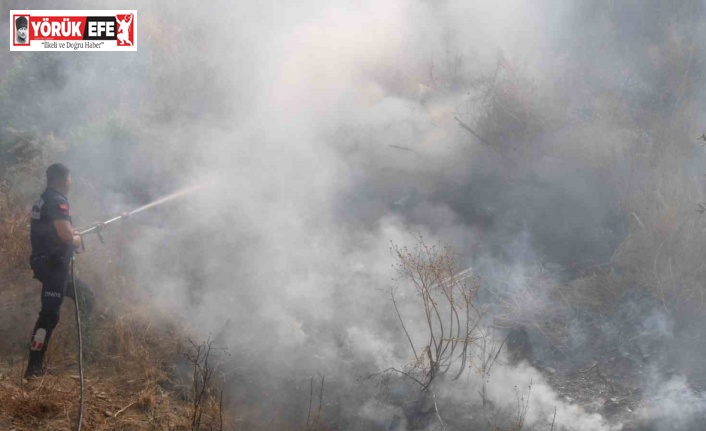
50, 261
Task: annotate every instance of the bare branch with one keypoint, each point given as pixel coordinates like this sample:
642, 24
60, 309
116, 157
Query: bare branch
404, 328
473, 132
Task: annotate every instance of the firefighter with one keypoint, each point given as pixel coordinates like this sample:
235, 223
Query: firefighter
54, 242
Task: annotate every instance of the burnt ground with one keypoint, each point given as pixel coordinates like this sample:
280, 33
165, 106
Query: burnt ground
610, 386
610, 363
615, 387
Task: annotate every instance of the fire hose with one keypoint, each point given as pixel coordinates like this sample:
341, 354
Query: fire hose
80, 344
97, 229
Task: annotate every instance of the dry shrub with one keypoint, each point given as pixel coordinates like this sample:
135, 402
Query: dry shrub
598, 290
663, 253
447, 297
14, 233
508, 113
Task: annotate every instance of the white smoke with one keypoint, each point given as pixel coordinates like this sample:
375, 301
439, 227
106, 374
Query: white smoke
329, 131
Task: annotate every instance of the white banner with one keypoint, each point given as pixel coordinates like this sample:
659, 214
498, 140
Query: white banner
73, 30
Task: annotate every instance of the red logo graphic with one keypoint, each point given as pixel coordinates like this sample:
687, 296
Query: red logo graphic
126, 31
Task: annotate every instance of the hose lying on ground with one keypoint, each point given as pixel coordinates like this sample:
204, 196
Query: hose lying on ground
80, 345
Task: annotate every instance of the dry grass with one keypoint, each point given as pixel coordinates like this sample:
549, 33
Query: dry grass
112, 403
132, 382
29, 407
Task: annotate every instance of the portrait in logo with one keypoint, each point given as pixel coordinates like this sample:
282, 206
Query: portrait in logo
21, 30
124, 27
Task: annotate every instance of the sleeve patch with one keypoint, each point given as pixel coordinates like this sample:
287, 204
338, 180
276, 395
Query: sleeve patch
64, 208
